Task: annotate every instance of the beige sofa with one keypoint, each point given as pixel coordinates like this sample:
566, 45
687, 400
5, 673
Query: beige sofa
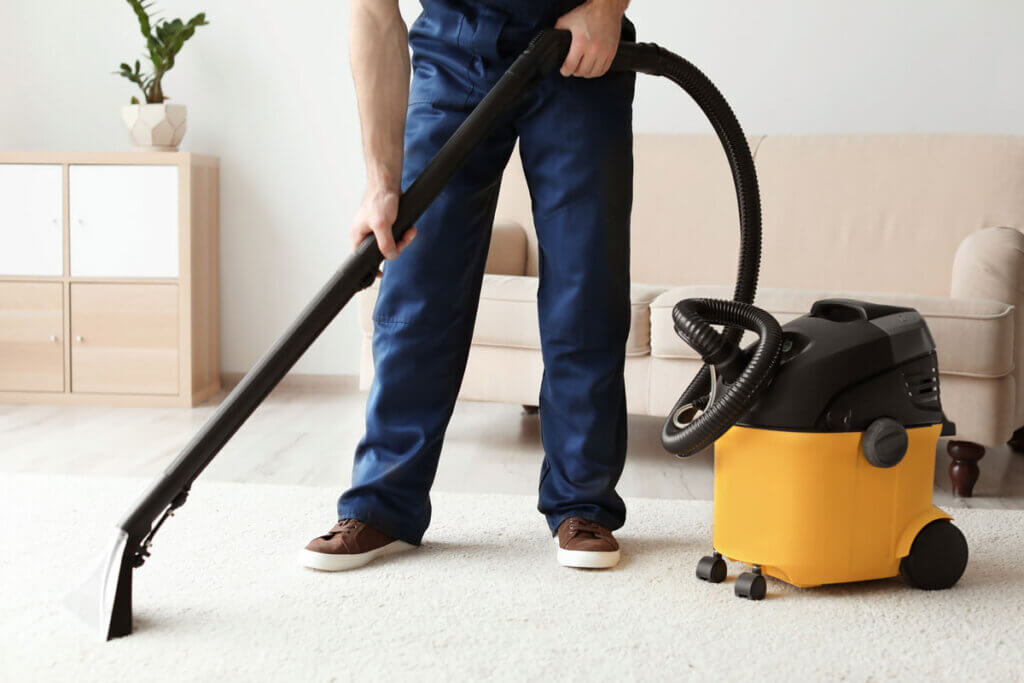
929, 221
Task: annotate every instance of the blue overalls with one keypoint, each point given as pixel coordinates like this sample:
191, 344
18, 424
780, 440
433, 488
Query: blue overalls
575, 138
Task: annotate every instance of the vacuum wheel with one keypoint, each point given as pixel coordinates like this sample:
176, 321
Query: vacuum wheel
711, 568
937, 557
751, 585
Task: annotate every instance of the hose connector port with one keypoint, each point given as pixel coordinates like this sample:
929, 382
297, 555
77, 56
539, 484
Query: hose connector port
684, 415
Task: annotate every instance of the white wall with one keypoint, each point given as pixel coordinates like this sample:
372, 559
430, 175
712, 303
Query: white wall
268, 91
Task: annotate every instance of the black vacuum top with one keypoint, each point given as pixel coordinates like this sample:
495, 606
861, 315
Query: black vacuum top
847, 363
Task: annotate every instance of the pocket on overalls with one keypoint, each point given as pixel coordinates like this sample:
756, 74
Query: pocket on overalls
455, 54
433, 38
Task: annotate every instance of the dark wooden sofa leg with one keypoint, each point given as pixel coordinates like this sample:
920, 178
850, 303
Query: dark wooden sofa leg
530, 410
963, 471
1016, 442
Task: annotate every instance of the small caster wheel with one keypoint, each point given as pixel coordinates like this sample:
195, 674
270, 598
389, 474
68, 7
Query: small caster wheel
711, 568
751, 585
937, 557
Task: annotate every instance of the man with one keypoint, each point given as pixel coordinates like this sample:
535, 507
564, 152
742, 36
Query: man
575, 136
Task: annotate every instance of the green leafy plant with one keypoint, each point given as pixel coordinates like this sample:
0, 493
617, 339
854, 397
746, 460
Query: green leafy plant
164, 39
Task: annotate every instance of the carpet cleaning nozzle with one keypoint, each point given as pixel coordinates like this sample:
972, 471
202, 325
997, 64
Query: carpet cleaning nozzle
104, 600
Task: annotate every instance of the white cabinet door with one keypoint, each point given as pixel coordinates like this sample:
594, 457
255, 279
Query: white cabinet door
31, 225
124, 220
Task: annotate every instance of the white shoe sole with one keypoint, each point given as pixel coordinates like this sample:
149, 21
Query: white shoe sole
327, 562
587, 559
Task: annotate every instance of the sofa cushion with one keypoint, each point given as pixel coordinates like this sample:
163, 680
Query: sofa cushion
506, 254
880, 212
974, 337
508, 314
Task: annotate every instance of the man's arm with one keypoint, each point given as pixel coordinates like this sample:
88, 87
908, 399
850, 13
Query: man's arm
596, 26
380, 68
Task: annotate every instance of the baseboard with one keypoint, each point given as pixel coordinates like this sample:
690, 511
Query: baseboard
301, 382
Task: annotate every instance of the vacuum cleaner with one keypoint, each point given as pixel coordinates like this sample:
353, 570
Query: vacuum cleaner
735, 386
825, 433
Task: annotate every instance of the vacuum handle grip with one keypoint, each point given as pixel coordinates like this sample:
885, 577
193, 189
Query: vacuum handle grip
545, 54
643, 58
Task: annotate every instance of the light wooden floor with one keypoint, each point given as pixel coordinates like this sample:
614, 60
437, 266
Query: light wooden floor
305, 434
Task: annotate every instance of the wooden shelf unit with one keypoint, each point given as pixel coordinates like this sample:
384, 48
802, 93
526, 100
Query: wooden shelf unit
128, 312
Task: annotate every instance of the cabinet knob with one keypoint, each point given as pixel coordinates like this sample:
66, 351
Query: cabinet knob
53, 337
78, 338
54, 222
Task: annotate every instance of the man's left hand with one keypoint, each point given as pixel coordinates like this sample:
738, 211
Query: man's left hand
595, 26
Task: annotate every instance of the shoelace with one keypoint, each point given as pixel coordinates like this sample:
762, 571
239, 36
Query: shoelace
583, 526
346, 528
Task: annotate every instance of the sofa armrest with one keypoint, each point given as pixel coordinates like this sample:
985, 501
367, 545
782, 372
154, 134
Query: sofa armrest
507, 254
989, 264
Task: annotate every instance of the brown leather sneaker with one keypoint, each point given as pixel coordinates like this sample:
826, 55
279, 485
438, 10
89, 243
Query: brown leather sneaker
586, 545
349, 544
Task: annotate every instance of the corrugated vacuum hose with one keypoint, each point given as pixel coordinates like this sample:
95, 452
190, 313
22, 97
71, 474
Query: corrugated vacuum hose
105, 601
694, 423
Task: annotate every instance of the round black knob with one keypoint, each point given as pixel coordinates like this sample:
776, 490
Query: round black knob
885, 442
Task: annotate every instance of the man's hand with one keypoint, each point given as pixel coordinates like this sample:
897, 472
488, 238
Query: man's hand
377, 214
596, 26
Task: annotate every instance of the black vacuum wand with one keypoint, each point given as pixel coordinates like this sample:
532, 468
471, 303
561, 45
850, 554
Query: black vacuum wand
105, 600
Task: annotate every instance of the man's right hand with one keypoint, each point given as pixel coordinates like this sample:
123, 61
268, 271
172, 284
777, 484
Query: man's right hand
377, 214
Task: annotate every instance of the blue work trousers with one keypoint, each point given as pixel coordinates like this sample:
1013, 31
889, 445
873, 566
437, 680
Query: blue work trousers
575, 140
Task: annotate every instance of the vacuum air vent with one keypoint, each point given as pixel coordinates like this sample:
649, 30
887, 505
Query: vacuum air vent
923, 389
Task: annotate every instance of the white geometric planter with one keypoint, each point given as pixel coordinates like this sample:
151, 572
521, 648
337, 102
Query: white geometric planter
157, 127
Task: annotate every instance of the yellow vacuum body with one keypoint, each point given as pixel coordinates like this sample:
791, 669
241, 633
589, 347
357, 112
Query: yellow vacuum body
809, 509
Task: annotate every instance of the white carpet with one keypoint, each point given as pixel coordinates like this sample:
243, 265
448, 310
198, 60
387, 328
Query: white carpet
223, 598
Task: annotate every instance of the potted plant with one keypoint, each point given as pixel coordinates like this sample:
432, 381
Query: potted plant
152, 123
